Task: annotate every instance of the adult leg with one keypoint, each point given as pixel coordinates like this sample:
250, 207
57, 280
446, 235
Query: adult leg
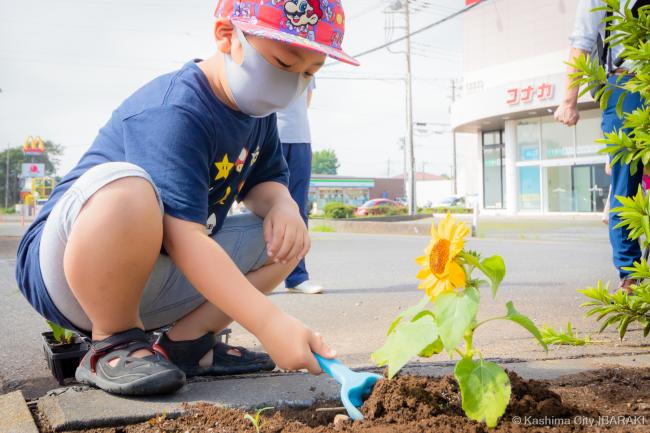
623, 183
298, 156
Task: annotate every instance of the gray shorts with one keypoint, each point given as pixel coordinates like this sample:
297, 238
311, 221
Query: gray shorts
168, 295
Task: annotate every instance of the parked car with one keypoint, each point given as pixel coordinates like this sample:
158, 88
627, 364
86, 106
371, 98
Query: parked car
450, 201
367, 207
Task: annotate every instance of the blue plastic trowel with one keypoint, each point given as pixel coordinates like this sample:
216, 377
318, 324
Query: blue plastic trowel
355, 387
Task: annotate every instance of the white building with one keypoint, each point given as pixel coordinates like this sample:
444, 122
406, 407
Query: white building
517, 158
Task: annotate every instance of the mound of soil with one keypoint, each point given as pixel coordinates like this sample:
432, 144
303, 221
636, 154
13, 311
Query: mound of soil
609, 400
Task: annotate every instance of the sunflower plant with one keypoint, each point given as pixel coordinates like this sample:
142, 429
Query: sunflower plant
446, 319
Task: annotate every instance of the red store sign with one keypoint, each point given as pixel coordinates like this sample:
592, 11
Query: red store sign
525, 95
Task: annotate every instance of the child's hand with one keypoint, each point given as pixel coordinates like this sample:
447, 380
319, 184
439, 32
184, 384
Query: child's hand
285, 233
290, 343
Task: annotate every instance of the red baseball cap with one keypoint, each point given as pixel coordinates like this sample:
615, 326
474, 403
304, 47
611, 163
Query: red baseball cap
317, 25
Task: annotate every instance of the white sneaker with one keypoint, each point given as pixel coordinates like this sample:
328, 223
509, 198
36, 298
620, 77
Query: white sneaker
307, 288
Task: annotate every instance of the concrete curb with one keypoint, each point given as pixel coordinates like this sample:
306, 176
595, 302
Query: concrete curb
375, 227
80, 408
15, 416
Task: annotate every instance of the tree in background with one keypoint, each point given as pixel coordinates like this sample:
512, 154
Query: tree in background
50, 158
324, 162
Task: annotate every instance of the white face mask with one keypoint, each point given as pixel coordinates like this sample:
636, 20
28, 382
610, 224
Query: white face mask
258, 87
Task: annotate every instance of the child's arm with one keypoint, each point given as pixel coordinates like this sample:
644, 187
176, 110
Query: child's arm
207, 266
285, 233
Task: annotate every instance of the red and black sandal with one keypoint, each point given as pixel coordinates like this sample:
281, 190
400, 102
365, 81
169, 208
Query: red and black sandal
187, 354
150, 375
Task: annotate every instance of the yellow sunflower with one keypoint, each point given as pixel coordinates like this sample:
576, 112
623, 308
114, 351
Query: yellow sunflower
440, 272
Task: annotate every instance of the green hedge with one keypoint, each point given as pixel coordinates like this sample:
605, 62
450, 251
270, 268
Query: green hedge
454, 209
338, 210
387, 211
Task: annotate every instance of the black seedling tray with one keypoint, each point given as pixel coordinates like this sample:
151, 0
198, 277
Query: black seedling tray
63, 359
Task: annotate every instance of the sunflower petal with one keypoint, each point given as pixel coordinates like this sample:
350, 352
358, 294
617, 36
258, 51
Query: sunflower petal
445, 227
437, 289
428, 282
456, 275
423, 274
457, 243
434, 233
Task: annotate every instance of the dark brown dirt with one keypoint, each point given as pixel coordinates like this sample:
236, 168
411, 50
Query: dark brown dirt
608, 400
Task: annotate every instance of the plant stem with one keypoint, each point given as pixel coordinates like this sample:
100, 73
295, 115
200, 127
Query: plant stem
483, 322
469, 338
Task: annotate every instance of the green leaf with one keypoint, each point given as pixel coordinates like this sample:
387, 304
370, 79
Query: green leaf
515, 316
432, 349
484, 388
405, 342
408, 313
495, 269
253, 421
454, 314
568, 338
58, 332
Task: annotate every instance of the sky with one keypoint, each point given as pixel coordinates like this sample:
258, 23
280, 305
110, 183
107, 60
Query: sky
65, 65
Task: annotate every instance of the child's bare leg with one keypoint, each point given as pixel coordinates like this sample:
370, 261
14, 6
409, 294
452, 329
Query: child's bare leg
112, 248
208, 318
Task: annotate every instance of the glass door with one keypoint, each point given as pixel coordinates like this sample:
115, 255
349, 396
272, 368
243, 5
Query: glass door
493, 170
590, 187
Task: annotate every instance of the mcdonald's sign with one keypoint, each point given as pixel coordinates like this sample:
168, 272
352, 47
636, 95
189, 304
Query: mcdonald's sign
34, 146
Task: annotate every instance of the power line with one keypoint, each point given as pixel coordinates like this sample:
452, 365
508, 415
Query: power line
418, 31
364, 12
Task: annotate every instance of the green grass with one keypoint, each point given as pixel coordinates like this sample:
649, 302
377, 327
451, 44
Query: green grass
322, 228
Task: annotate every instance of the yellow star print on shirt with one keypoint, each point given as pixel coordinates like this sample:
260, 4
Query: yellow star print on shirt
224, 168
222, 201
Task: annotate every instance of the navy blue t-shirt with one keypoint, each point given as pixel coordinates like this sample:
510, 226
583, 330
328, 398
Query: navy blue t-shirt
201, 154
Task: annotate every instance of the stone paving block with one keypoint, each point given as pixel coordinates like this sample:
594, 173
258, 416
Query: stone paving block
15, 416
75, 409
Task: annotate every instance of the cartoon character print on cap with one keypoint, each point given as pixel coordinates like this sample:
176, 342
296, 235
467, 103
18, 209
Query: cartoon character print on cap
303, 12
243, 10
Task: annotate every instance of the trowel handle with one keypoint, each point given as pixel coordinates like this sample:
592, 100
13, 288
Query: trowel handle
333, 367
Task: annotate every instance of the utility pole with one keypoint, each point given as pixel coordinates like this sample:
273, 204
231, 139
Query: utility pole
7, 178
410, 175
453, 137
402, 6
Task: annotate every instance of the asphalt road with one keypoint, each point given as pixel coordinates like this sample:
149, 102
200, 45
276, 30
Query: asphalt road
369, 278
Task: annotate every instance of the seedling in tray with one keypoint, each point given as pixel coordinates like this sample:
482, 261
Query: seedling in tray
63, 350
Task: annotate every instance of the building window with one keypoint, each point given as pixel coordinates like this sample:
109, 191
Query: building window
529, 188
557, 139
528, 140
587, 132
493, 170
559, 189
